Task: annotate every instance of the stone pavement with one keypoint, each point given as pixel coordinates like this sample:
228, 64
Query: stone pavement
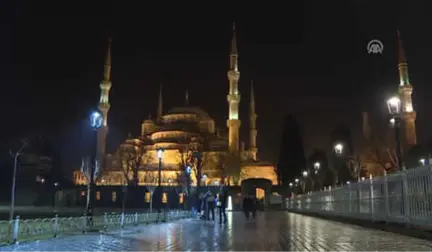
270, 231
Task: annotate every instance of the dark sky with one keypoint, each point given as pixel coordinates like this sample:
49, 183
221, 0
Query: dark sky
306, 58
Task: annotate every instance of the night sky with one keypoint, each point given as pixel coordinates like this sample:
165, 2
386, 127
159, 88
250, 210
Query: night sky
308, 59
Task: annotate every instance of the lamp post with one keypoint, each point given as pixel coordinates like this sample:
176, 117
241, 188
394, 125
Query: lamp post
160, 154
13, 188
188, 185
96, 119
394, 107
305, 175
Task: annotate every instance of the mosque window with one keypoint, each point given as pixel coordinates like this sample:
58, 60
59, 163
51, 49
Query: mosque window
98, 195
164, 197
147, 197
181, 198
114, 196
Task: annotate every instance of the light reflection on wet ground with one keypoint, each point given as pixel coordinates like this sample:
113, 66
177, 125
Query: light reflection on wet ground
272, 231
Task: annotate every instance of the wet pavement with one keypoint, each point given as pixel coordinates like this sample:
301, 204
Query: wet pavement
273, 231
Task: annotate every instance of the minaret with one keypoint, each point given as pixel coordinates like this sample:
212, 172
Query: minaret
252, 123
160, 106
366, 126
104, 104
187, 97
405, 94
233, 98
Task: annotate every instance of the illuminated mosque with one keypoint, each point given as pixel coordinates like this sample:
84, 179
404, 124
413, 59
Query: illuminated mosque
175, 131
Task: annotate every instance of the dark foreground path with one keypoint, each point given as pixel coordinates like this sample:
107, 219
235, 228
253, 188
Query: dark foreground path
270, 231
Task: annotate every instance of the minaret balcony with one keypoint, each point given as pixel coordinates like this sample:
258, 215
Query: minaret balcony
233, 98
233, 75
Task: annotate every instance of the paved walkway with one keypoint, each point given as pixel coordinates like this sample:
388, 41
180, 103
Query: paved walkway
270, 231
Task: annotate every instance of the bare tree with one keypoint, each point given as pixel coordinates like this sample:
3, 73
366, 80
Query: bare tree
150, 182
86, 169
356, 166
380, 152
231, 168
132, 158
183, 178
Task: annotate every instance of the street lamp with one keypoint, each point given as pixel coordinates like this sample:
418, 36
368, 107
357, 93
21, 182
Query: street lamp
188, 170
317, 166
290, 184
96, 119
338, 148
160, 154
204, 179
394, 107
15, 156
305, 174
422, 161
296, 180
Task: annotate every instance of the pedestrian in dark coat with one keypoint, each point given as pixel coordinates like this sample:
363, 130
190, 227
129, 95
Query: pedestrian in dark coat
222, 204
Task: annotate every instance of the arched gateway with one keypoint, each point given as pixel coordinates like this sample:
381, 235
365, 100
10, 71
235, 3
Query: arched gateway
259, 187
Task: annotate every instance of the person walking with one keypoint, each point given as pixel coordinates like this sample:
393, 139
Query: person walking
210, 206
253, 206
246, 206
222, 204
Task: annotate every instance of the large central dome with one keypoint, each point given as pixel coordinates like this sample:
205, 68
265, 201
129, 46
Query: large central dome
189, 110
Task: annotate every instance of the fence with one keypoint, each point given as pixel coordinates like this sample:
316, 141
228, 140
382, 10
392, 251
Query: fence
403, 197
33, 229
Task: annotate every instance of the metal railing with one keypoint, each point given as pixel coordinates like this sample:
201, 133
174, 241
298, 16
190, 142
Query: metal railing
34, 229
403, 197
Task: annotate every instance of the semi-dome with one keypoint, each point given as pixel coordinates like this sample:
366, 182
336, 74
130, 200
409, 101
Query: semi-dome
188, 110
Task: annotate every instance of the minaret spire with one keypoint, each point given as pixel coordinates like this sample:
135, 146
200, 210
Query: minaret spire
234, 40
233, 97
160, 105
107, 70
187, 97
234, 52
405, 95
402, 63
104, 105
252, 123
252, 98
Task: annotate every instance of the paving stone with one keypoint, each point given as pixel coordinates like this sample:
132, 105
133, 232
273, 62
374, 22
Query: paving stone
271, 231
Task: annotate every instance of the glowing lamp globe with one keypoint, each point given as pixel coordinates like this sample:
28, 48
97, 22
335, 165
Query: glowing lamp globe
188, 170
338, 148
394, 105
96, 119
160, 153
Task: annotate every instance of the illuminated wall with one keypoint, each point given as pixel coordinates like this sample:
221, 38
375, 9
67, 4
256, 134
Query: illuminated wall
259, 171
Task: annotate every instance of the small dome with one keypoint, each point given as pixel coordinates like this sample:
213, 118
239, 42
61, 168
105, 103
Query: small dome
148, 121
188, 110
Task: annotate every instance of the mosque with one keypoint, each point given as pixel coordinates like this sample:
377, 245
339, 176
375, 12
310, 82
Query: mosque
177, 133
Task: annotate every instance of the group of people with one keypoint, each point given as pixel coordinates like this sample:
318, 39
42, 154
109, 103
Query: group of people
208, 202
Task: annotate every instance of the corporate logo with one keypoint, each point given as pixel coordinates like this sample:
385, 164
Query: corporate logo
375, 47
